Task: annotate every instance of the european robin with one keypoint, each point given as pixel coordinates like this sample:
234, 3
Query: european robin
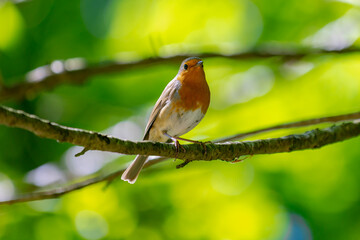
181, 106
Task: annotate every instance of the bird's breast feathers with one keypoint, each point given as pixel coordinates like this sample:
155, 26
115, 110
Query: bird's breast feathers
174, 123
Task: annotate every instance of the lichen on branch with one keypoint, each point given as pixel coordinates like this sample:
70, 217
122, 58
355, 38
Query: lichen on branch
228, 151
224, 151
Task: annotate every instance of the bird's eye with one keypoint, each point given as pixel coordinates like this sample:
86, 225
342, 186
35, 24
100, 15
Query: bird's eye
186, 66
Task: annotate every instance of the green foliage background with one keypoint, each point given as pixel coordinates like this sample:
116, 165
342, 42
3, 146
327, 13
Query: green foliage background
302, 195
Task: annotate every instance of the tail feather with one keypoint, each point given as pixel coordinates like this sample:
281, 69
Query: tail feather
132, 172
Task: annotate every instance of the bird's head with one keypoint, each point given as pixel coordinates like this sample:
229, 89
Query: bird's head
191, 67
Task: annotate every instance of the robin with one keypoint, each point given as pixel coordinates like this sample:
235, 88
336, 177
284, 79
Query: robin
181, 106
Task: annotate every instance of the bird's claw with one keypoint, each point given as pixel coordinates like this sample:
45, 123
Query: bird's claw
203, 144
178, 146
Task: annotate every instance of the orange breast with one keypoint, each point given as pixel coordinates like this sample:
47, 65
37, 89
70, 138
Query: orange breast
194, 91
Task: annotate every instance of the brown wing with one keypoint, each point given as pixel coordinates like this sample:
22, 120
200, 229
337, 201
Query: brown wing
167, 94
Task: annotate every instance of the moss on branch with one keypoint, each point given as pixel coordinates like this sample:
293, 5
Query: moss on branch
224, 151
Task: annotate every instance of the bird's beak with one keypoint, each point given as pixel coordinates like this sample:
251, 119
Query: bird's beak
199, 63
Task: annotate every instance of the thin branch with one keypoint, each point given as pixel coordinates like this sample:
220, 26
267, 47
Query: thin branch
58, 192
49, 80
310, 122
322, 137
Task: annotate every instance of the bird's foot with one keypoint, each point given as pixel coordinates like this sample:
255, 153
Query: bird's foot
178, 146
203, 144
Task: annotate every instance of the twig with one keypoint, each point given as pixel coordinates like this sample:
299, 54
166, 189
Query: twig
183, 164
78, 76
58, 192
310, 122
82, 152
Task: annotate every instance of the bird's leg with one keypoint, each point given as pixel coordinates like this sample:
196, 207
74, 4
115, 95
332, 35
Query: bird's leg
187, 140
203, 144
177, 144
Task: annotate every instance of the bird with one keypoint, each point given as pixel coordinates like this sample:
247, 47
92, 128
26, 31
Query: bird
181, 106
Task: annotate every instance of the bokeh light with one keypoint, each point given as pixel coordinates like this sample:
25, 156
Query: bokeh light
11, 27
309, 194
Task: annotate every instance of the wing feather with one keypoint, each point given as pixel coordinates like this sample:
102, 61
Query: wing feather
166, 95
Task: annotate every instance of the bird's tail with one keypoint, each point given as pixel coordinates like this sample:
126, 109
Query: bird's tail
132, 172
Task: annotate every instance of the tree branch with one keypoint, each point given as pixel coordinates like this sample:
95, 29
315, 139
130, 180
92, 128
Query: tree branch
308, 140
58, 192
49, 80
337, 118
223, 151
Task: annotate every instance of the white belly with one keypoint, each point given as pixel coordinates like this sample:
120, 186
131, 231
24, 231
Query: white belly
176, 124
183, 122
